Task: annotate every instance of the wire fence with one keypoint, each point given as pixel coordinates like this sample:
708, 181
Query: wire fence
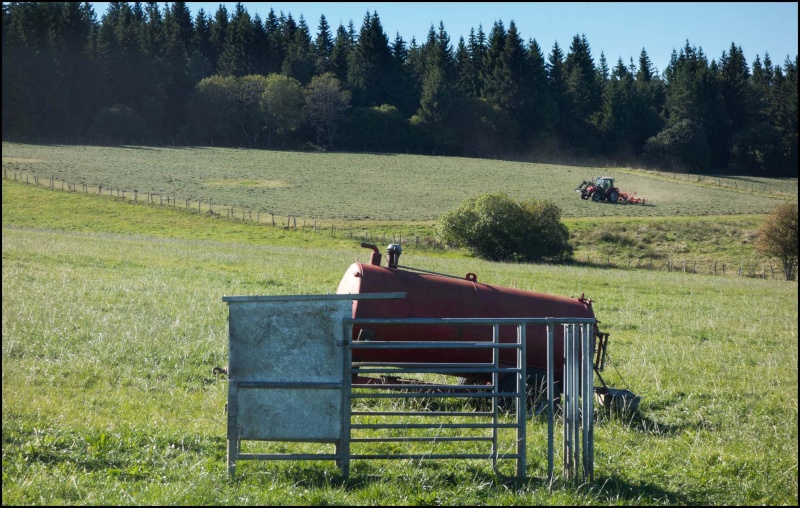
241, 214
751, 268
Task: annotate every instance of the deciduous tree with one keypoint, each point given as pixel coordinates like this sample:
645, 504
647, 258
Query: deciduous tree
325, 105
777, 237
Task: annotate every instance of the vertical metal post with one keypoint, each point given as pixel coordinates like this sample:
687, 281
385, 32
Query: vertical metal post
575, 363
567, 403
496, 384
522, 404
550, 397
233, 430
347, 381
588, 404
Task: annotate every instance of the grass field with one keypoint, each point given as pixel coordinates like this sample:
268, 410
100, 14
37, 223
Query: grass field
388, 187
113, 318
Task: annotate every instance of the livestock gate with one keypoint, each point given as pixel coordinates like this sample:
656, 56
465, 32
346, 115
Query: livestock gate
291, 379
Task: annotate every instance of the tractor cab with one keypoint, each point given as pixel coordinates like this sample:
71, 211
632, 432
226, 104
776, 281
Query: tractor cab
605, 183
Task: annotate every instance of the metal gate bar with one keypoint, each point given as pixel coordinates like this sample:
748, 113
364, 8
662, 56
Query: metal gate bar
246, 384
578, 380
433, 390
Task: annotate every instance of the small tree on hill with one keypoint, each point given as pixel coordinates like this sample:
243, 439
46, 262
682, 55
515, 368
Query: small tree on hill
777, 237
497, 228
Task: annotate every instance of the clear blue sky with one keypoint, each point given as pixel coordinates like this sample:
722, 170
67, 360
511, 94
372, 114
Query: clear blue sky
618, 29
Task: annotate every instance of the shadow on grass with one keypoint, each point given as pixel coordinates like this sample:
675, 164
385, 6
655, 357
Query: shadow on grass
442, 479
615, 490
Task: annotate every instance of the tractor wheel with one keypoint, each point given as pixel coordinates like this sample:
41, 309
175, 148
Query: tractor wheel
613, 196
597, 196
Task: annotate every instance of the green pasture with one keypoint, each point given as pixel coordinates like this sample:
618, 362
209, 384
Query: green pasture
721, 245
113, 319
383, 187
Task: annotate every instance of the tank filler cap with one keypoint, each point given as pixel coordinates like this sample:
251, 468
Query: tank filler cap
394, 250
375, 256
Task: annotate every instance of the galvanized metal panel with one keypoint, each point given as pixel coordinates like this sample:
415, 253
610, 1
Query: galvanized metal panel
287, 341
280, 414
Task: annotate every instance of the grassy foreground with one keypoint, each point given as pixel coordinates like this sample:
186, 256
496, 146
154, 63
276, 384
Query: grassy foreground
109, 339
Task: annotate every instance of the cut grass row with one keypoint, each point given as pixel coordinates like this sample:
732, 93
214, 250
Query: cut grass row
112, 320
355, 187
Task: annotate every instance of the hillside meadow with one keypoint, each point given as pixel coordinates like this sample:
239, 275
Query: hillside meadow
113, 319
385, 187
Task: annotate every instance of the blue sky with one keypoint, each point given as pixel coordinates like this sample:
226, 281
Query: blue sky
618, 29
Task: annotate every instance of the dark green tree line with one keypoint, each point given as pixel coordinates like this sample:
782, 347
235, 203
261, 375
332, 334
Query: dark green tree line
154, 73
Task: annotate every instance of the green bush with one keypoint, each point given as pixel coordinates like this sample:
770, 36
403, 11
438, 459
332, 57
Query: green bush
497, 228
681, 147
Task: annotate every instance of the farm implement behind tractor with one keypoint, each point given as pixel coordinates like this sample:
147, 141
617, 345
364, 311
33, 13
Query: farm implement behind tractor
603, 189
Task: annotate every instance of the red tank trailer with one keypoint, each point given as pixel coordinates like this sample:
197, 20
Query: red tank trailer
431, 295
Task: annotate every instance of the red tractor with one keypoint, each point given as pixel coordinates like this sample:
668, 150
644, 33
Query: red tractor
603, 189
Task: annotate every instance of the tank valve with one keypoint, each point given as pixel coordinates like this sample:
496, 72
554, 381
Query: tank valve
394, 250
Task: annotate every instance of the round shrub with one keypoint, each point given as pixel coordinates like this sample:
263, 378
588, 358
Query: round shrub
497, 228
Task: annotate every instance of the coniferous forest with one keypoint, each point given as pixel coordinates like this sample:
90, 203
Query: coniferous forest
150, 73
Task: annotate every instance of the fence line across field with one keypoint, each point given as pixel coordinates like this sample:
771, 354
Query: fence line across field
754, 269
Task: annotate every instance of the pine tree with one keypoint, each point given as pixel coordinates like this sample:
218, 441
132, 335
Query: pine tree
540, 111
183, 24
491, 59
324, 48
616, 120
202, 38
733, 79
299, 61
693, 93
557, 86
402, 92
464, 71
584, 93
275, 52
438, 94
648, 102
236, 57
371, 59
602, 70
646, 71
342, 49
217, 33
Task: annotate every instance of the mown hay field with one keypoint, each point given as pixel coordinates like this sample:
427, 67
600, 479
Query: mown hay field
385, 187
